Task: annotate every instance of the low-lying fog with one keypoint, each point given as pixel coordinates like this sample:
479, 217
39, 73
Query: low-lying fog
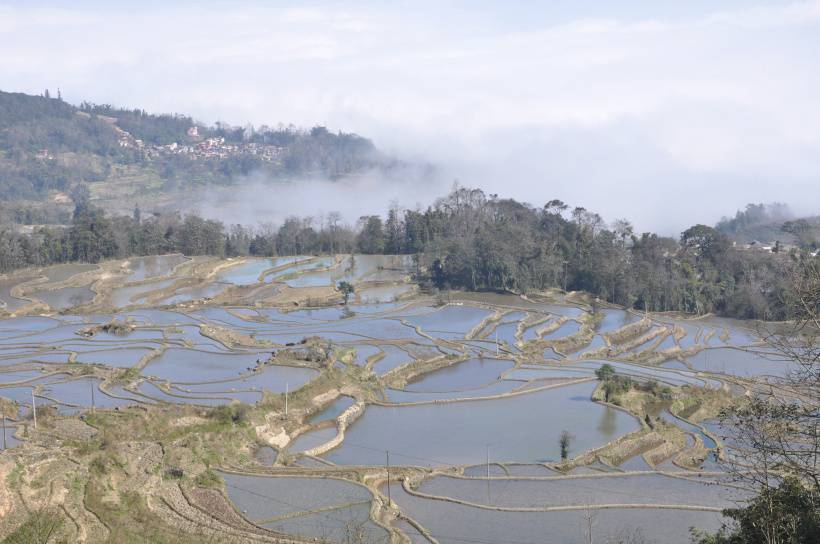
256, 199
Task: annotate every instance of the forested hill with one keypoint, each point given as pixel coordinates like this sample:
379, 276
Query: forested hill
771, 225
47, 144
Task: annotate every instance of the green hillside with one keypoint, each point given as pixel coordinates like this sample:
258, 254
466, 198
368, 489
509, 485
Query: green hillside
48, 147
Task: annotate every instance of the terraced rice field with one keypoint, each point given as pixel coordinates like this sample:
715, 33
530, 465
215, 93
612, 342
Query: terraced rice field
459, 407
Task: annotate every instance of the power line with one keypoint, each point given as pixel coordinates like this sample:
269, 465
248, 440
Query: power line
297, 507
471, 540
303, 508
405, 455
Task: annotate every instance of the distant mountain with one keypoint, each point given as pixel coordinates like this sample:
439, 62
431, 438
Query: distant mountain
770, 224
48, 146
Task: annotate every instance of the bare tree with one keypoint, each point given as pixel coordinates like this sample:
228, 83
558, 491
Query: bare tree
779, 425
774, 435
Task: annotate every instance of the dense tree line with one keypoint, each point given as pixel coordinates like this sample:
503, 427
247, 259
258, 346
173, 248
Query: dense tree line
467, 240
92, 237
474, 241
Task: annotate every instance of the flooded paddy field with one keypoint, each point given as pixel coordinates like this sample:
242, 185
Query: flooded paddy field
9, 302
67, 297
321, 508
461, 405
424, 435
455, 522
595, 490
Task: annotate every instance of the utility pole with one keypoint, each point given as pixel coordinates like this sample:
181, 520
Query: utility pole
389, 497
33, 408
93, 404
565, 275
287, 390
590, 519
4, 427
488, 474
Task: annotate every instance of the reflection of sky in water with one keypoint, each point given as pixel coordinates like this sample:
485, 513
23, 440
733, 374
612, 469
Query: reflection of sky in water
67, 297
524, 427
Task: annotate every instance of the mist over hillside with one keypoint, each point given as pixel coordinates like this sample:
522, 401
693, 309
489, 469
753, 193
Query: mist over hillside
130, 157
259, 199
770, 225
250, 174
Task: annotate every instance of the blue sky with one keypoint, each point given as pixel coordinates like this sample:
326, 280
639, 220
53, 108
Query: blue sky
666, 112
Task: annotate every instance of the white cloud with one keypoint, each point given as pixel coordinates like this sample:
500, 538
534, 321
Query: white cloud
626, 115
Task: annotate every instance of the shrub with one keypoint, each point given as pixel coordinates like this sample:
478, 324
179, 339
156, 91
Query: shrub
231, 413
174, 473
208, 478
40, 526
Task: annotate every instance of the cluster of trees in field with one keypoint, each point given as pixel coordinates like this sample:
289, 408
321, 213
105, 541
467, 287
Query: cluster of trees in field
48, 144
467, 240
